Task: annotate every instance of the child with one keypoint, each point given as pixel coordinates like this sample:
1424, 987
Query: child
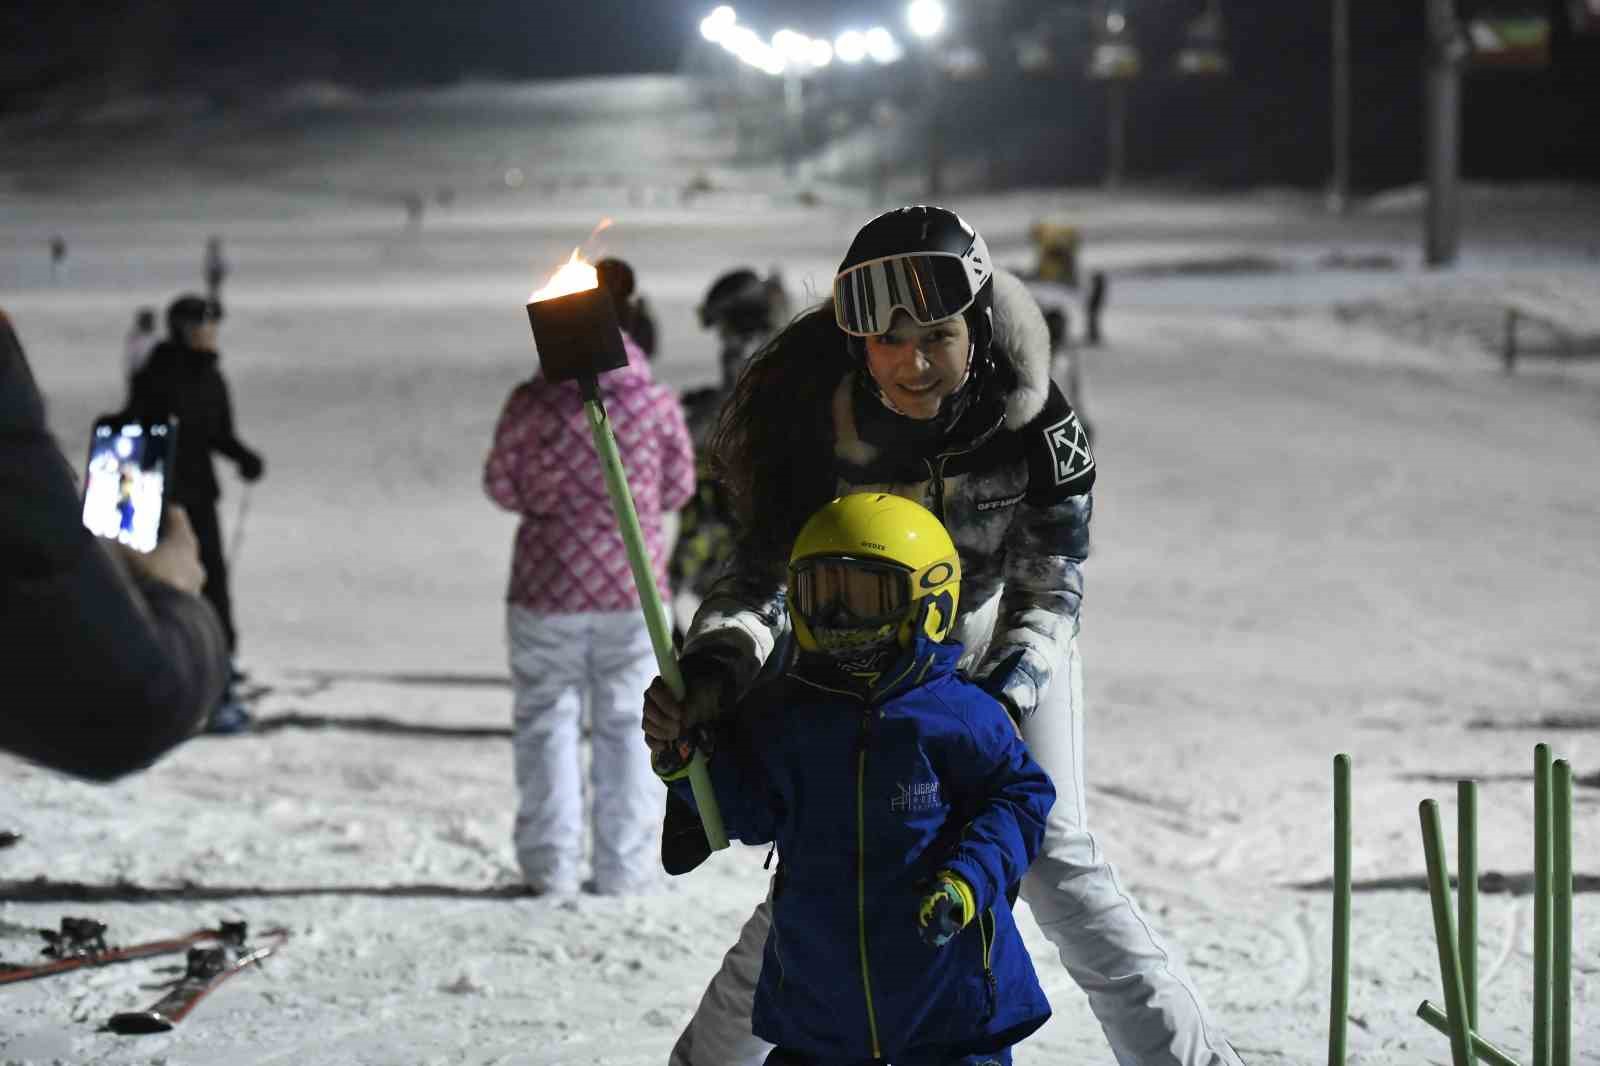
900, 797
573, 624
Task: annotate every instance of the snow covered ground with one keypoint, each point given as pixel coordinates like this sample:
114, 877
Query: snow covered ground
1326, 522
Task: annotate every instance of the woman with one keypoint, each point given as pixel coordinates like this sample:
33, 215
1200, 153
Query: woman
573, 624
927, 375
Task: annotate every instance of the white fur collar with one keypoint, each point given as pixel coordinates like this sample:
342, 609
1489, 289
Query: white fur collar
1022, 340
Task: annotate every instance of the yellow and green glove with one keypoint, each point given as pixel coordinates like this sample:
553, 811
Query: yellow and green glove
945, 910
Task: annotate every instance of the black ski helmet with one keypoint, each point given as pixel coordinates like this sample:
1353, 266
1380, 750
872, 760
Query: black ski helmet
740, 300
930, 263
616, 277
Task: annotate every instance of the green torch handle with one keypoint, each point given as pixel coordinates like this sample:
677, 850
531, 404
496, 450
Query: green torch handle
655, 612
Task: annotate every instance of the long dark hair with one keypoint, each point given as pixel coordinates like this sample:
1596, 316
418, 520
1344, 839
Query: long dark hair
773, 445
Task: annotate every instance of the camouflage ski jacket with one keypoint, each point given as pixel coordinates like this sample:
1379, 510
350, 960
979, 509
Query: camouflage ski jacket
1010, 481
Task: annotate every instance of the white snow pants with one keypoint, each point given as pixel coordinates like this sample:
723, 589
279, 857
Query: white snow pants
1137, 986
556, 661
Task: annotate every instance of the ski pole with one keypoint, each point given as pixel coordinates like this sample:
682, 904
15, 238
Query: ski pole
238, 526
577, 338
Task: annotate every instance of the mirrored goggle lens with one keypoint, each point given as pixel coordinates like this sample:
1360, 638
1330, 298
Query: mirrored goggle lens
840, 592
928, 287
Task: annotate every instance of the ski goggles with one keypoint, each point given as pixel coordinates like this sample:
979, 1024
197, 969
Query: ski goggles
842, 592
928, 286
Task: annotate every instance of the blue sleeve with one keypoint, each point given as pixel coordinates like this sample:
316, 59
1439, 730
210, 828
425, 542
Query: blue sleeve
1006, 796
742, 778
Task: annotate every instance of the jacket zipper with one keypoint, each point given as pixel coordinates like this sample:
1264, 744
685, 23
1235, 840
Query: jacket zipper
936, 474
990, 985
861, 877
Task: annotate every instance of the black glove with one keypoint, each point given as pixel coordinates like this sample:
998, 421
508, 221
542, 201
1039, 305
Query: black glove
251, 466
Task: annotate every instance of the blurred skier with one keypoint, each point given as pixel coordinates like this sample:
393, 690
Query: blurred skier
58, 259
182, 379
216, 269
744, 310
139, 343
573, 622
633, 312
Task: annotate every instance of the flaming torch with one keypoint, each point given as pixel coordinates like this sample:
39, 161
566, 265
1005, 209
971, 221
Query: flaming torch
577, 337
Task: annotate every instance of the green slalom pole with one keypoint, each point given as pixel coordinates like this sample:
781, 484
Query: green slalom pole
1339, 1010
1486, 1051
655, 612
1467, 893
1561, 919
1541, 905
1455, 997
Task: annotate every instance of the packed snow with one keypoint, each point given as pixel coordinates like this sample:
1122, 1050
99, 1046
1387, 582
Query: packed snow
1327, 521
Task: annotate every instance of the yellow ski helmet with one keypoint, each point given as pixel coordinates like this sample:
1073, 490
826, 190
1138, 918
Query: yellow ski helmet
872, 570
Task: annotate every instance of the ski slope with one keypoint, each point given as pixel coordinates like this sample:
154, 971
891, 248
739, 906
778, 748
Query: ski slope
1325, 522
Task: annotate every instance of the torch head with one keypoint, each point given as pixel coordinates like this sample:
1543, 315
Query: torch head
577, 335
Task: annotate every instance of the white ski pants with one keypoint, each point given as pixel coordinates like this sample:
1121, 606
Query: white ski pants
1137, 986
558, 661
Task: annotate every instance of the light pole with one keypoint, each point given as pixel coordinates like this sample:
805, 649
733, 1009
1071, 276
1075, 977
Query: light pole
1115, 60
1442, 122
926, 19
1339, 185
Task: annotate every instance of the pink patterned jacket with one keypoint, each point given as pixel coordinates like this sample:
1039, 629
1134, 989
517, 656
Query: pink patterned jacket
569, 555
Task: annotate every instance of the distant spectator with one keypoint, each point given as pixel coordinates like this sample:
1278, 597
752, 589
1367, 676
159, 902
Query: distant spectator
216, 270
141, 340
110, 658
633, 313
1093, 305
182, 380
743, 310
573, 621
58, 259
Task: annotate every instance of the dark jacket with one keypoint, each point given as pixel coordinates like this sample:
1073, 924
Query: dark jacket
101, 676
1010, 480
187, 383
867, 799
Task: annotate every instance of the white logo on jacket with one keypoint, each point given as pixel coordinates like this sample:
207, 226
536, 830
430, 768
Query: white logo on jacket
1069, 447
918, 796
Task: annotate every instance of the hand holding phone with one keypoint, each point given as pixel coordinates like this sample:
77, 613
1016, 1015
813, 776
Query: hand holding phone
176, 558
125, 488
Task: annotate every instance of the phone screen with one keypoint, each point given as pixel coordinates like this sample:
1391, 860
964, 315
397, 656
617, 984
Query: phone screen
129, 463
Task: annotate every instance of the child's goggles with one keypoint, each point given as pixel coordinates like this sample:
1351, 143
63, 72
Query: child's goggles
841, 592
928, 286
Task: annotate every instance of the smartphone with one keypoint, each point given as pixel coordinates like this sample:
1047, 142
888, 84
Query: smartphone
125, 486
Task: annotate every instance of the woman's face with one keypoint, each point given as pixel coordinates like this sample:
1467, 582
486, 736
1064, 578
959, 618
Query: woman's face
917, 366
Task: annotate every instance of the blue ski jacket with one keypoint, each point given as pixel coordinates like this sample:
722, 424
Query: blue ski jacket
866, 799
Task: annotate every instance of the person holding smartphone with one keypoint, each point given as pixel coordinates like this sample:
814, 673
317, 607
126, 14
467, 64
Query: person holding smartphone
183, 380
111, 656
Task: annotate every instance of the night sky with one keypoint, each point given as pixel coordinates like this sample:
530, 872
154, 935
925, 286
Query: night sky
1518, 123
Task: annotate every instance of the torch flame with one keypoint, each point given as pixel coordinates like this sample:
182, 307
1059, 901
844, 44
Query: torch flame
575, 275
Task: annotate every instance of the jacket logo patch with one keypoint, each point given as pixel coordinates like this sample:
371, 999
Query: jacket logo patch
1002, 502
918, 796
1069, 448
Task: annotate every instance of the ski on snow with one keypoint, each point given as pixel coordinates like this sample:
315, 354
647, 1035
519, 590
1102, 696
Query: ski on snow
207, 968
81, 943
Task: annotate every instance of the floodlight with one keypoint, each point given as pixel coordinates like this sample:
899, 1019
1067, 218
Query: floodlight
851, 47
716, 25
926, 18
881, 45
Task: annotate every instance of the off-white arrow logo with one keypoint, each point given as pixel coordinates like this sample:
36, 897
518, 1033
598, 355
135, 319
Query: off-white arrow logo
1069, 448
